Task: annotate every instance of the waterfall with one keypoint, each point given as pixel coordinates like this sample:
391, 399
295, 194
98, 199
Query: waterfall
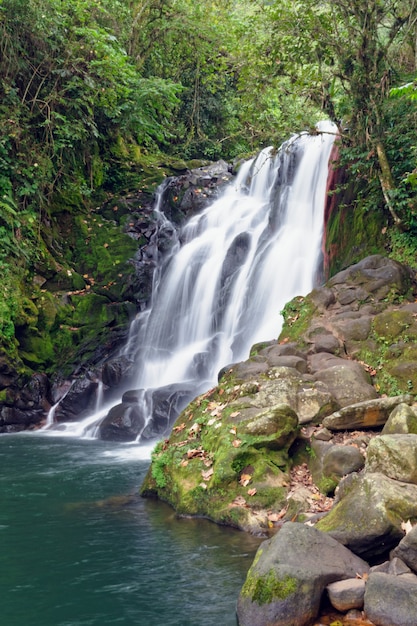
234, 267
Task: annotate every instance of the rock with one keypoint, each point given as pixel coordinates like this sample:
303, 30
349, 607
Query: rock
395, 456
347, 382
368, 414
402, 419
375, 275
289, 574
329, 463
397, 567
123, 423
275, 428
117, 369
347, 594
407, 549
368, 513
77, 401
391, 600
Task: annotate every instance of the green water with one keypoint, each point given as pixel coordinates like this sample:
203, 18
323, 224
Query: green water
67, 559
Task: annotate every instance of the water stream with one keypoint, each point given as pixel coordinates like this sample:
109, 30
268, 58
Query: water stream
72, 553
232, 270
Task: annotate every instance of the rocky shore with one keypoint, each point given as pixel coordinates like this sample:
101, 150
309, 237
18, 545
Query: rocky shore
312, 443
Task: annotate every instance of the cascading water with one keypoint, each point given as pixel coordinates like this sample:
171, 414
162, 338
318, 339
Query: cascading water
233, 269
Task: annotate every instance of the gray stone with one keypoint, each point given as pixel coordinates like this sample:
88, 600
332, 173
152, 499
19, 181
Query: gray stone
274, 428
395, 456
367, 516
341, 460
368, 414
348, 383
397, 567
391, 600
347, 594
402, 420
289, 574
407, 549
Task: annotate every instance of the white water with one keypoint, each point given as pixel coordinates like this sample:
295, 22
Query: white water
207, 312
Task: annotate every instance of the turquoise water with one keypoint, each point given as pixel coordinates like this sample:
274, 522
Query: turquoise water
69, 559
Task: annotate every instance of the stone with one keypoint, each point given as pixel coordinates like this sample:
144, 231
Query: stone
395, 456
289, 574
407, 549
122, 423
368, 512
347, 594
368, 414
347, 382
391, 600
402, 420
397, 567
275, 428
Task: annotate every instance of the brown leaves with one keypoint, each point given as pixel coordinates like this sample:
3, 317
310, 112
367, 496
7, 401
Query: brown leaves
207, 474
252, 492
236, 443
245, 479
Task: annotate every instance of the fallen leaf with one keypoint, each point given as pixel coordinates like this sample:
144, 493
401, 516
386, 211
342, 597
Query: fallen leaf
245, 479
275, 517
239, 501
178, 429
252, 492
207, 474
236, 443
235, 414
203, 485
406, 526
233, 431
195, 428
184, 463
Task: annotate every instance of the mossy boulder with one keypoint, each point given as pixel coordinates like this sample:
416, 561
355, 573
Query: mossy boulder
369, 512
225, 460
289, 574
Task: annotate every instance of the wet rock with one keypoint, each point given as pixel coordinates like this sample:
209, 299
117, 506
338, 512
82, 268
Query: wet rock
116, 370
391, 600
123, 423
289, 574
77, 402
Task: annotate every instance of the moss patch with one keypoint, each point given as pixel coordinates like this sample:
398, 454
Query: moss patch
268, 588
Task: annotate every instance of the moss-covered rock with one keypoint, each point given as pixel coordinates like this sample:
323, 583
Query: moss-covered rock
225, 462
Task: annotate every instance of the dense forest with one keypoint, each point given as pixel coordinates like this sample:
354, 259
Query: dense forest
103, 98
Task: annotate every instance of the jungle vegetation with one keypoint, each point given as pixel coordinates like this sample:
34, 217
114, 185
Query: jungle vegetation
94, 93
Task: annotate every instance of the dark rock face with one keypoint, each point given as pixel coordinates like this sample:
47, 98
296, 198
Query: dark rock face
77, 402
123, 422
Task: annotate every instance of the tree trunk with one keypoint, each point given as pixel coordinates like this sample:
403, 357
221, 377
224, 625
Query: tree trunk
387, 181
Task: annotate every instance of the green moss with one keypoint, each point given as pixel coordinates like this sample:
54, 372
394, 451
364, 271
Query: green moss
268, 588
297, 316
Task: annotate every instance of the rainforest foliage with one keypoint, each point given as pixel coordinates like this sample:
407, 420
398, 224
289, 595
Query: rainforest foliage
94, 93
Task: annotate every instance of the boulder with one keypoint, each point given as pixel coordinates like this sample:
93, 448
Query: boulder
391, 600
368, 414
403, 419
395, 456
123, 422
368, 514
348, 382
275, 428
347, 594
407, 549
289, 574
